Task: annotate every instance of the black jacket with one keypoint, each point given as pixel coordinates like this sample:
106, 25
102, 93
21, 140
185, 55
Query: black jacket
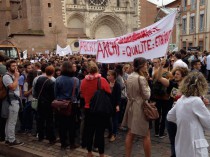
47, 93
116, 95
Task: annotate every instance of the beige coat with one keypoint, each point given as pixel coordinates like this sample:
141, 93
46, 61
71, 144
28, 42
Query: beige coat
134, 117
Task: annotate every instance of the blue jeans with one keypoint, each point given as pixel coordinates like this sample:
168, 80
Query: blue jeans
115, 120
171, 127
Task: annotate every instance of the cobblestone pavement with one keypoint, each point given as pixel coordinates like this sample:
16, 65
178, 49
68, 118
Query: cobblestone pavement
160, 147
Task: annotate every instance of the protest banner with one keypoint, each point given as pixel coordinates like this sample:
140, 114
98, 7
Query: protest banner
88, 47
150, 42
63, 51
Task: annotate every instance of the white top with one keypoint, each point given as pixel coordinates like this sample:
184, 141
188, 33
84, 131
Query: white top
208, 62
25, 89
180, 63
192, 118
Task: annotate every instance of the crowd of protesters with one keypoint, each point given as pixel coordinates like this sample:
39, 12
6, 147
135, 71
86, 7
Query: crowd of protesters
50, 77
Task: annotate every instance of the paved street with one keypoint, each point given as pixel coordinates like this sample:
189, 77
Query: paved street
160, 147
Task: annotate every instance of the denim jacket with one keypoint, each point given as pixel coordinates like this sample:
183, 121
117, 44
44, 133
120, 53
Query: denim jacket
64, 88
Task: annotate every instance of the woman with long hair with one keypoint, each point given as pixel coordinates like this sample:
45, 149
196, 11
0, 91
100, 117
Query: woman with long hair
65, 85
134, 117
191, 117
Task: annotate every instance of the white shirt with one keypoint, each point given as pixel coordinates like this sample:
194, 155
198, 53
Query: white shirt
25, 89
179, 63
208, 62
192, 118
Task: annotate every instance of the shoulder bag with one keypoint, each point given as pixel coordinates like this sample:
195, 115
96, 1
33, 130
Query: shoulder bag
34, 101
64, 107
149, 108
100, 103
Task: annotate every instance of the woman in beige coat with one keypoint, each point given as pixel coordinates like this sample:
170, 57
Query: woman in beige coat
134, 117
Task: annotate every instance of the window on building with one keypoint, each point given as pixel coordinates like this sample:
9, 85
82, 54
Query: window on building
184, 25
192, 24
75, 1
201, 45
202, 2
201, 23
192, 4
184, 45
49, 5
50, 24
190, 45
118, 3
184, 5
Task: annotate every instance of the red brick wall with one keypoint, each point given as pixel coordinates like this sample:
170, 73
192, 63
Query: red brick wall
147, 14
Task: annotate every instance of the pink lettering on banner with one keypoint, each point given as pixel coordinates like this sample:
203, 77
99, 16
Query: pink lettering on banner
88, 46
137, 35
148, 45
108, 49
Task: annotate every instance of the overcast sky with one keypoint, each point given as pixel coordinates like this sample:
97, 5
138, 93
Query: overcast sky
159, 2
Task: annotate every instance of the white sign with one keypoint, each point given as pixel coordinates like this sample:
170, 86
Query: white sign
25, 54
150, 42
88, 47
63, 51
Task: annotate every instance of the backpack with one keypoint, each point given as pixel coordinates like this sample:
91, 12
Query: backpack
100, 103
3, 89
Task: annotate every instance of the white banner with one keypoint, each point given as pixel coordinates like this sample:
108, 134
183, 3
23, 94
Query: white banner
25, 54
150, 42
63, 51
88, 47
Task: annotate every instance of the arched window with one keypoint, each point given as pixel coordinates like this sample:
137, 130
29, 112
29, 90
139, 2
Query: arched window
118, 3
75, 1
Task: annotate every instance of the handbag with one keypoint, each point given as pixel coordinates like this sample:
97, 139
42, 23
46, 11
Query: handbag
34, 101
100, 103
149, 108
64, 107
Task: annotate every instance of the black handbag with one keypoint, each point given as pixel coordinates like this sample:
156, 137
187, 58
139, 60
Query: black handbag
100, 103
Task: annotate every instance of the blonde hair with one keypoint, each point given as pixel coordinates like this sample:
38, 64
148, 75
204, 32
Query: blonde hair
194, 84
92, 67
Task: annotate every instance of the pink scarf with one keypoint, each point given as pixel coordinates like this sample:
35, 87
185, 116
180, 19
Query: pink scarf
92, 77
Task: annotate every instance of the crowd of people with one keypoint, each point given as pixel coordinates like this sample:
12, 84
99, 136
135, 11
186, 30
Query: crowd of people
177, 83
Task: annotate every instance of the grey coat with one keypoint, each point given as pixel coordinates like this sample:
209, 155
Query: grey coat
134, 117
